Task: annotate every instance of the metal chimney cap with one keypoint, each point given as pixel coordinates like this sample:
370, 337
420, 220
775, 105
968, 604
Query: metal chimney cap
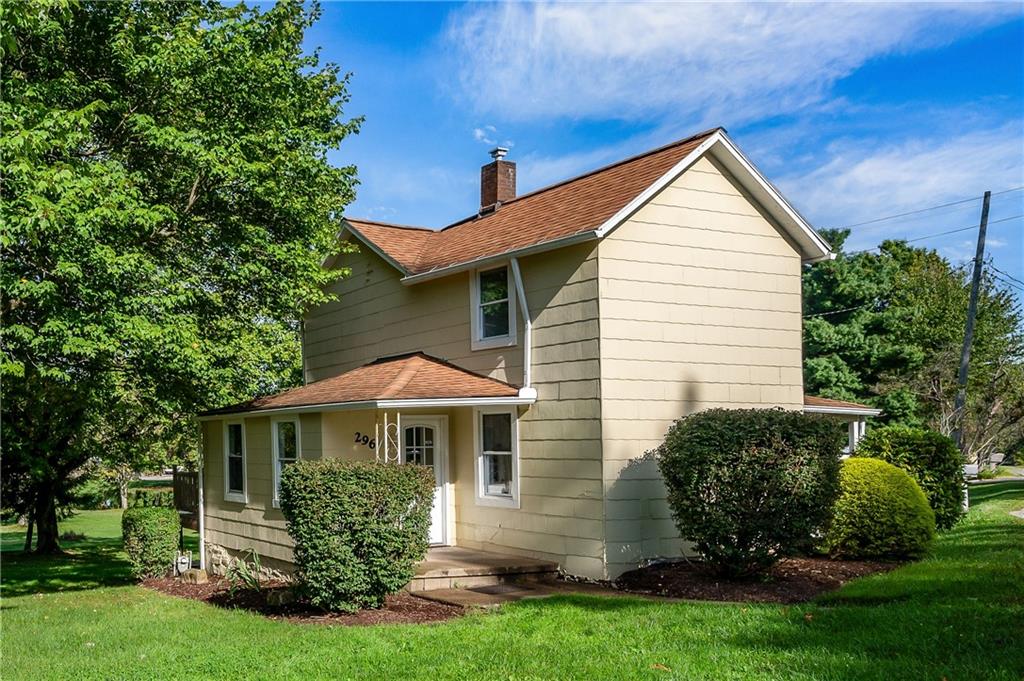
498, 153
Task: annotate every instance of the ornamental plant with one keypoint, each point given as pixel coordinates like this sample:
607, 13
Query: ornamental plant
150, 539
931, 458
359, 528
749, 486
881, 513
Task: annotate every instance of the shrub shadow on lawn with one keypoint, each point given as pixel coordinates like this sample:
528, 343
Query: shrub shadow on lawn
86, 564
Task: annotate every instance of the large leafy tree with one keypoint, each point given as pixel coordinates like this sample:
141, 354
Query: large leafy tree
887, 327
167, 207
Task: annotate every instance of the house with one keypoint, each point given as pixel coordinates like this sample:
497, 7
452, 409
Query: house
532, 353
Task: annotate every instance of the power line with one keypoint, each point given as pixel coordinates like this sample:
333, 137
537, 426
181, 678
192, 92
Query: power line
925, 210
932, 236
1006, 274
1006, 282
832, 312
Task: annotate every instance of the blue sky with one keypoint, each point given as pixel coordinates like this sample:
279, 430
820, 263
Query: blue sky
856, 111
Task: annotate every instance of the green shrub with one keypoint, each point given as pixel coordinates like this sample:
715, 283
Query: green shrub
881, 513
359, 528
931, 458
151, 496
150, 539
749, 486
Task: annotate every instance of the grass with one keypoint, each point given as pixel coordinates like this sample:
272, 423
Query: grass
956, 615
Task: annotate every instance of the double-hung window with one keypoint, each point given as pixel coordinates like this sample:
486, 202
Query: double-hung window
234, 462
493, 308
497, 458
285, 440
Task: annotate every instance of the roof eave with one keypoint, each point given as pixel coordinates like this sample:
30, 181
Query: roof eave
347, 226
433, 402
580, 237
841, 411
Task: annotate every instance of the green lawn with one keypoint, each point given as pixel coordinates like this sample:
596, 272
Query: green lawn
957, 615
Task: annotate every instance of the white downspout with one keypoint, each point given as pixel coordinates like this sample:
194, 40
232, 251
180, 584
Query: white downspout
202, 518
517, 278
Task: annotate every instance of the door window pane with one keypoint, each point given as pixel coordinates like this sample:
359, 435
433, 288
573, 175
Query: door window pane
419, 445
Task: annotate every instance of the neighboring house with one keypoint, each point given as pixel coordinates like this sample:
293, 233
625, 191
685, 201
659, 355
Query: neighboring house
533, 352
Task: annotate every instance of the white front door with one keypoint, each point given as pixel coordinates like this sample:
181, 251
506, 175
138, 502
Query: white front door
423, 443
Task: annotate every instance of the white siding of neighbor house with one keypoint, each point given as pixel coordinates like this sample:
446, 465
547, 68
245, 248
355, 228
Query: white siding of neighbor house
700, 308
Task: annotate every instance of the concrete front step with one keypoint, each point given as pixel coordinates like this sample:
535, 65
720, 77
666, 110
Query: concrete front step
451, 567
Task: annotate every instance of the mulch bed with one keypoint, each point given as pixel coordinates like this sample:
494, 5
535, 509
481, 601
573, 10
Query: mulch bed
401, 608
791, 580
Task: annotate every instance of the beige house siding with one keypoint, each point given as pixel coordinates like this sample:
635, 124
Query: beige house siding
561, 507
255, 524
700, 307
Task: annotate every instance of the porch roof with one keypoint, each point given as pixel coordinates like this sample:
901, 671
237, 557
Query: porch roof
409, 380
823, 405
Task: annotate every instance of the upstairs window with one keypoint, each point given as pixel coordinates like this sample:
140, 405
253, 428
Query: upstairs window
286, 449
234, 462
493, 303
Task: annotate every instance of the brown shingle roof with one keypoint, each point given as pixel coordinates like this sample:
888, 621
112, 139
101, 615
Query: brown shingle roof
815, 401
571, 207
404, 377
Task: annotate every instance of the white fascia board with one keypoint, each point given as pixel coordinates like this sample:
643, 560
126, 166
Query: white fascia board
721, 147
815, 248
666, 179
482, 263
843, 411
372, 246
524, 398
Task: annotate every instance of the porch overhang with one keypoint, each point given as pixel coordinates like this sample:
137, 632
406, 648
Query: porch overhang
382, 404
410, 381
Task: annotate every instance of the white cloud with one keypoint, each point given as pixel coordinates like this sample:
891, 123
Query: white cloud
861, 180
699, 62
485, 134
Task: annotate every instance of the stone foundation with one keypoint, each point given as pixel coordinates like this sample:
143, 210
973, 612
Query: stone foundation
219, 558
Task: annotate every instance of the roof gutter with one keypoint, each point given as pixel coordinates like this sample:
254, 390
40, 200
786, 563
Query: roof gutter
842, 411
439, 402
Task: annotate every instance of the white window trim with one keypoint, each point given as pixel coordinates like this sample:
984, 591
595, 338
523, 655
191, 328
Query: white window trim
276, 462
476, 324
485, 499
229, 495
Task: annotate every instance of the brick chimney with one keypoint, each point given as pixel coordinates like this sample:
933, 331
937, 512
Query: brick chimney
497, 181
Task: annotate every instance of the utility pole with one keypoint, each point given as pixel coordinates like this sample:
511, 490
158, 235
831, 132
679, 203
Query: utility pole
972, 313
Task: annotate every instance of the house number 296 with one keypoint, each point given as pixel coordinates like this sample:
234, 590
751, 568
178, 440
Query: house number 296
366, 440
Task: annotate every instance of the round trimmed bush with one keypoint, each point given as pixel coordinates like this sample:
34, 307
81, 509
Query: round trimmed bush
748, 486
881, 513
150, 539
359, 528
931, 458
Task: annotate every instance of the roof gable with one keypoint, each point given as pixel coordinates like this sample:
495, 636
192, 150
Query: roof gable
583, 208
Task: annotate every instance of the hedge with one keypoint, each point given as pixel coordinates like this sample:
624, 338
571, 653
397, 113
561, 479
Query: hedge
359, 528
150, 539
159, 496
881, 513
931, 458
748, 486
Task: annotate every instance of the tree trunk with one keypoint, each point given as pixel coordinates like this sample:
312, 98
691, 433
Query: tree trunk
28, 532
48, 540
123, 488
